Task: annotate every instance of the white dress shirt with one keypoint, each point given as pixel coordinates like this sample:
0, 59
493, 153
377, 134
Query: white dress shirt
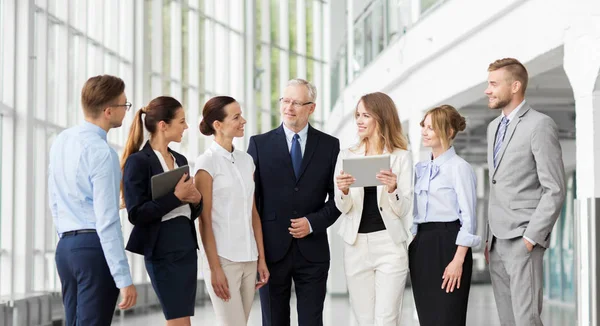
510, 118
183, 210
232, 200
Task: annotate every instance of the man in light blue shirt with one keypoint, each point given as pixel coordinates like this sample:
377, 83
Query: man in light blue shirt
83, 187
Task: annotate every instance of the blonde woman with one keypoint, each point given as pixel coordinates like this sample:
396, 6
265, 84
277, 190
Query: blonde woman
444, 224
376, 221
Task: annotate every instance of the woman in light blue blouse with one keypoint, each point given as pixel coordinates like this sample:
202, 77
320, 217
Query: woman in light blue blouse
444, 224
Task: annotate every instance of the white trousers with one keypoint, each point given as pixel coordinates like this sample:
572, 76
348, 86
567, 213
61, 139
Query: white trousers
376, 272
241, 279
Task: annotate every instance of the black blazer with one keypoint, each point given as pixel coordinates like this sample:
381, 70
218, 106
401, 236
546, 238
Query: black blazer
280, 197
143, 212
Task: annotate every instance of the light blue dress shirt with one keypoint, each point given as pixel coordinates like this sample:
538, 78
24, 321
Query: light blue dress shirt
289, 134
445, 191
83, 189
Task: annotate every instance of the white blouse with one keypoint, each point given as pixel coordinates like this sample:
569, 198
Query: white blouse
183, 210
232, 199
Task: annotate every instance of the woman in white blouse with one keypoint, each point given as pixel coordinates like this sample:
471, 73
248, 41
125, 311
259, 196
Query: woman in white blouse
376, 221
230, 225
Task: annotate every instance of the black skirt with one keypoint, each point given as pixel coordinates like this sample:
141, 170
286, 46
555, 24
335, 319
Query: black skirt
430, 253
173, 268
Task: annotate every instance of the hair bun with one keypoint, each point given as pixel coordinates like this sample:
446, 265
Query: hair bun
205, 129
462, 124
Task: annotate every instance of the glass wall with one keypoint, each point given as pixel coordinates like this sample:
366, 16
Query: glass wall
188, 49
289, 44
382, 23
559, 260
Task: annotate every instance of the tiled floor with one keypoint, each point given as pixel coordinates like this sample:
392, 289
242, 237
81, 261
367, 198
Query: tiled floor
482, 311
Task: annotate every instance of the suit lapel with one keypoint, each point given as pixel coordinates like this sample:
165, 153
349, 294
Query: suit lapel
282, 151
512, 126
153, 159
312, 140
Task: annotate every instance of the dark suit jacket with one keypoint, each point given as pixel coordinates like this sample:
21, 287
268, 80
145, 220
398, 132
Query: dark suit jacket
281, 197
143, 212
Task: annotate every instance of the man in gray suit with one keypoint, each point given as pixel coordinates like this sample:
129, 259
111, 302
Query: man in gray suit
527, 191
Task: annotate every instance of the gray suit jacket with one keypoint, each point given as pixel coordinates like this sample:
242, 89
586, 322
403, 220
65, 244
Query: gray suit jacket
527, 188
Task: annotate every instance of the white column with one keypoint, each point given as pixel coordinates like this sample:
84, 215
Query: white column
250, 70
284, 42
301, 38
23, 151
582, 66
7, 88
350, 40
266, 66
414, 136
326, 92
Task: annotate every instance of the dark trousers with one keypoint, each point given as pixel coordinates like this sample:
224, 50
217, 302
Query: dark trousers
429, 254
310, 280
88, 289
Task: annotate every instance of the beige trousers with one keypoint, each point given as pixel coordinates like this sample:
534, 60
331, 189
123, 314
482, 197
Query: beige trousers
241, 278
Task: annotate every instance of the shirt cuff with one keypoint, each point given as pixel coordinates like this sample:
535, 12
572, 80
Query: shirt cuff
123, 282
530, 241
466, 239
309, 226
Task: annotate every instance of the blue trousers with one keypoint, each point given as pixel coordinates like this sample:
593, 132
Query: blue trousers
88, 289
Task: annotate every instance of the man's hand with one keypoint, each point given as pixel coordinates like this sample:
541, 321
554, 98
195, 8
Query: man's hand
300, 227
528, 244
129, 295
486, 253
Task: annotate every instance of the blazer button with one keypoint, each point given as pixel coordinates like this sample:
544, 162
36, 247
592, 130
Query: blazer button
493, 181
296, 189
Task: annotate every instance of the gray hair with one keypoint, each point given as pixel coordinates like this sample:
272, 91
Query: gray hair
312, 90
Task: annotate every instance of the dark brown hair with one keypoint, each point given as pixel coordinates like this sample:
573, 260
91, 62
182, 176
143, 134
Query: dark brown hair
446, 123
100, 91
515, 68
389, 128
162, 108
214, 110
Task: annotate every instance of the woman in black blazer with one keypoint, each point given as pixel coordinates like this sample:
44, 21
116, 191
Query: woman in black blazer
163, 229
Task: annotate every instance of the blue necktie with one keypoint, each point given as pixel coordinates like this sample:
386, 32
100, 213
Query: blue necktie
499, 139
296, 154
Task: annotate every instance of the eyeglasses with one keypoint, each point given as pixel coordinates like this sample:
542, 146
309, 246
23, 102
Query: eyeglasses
127, 105
296, 105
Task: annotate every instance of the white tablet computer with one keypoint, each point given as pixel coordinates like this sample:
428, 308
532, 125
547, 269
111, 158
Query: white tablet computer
365, 169
163, 183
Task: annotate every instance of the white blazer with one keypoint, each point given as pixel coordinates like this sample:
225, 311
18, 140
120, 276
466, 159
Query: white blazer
396, 208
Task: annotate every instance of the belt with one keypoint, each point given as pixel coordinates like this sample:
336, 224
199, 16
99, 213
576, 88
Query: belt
439, 226
76, 232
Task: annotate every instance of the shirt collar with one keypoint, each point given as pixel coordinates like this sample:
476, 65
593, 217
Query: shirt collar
216, 148
448, 154
86, 125
289, 134
513, 114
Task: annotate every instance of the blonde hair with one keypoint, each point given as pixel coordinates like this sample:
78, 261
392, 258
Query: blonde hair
515, 68
446, 123
389, 128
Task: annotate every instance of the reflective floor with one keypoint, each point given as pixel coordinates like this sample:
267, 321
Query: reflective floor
482, 311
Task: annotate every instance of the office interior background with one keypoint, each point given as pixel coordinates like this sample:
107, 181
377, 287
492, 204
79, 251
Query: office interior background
420, 52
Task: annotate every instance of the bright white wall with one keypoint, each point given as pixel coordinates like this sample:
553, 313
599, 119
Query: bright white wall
448, 53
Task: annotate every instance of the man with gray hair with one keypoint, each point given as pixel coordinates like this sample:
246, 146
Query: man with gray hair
294, 173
